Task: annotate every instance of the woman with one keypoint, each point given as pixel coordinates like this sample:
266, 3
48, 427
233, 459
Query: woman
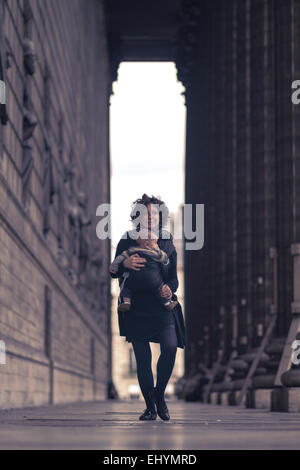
148, 320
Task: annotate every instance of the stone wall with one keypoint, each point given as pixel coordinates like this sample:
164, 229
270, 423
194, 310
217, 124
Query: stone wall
54, 172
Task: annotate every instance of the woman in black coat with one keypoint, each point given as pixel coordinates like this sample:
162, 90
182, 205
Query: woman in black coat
148, 320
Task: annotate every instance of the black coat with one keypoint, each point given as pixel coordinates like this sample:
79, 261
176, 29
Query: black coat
169, 275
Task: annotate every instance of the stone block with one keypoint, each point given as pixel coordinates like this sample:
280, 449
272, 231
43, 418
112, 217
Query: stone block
214, 398
262, 398
286, 399
224, 397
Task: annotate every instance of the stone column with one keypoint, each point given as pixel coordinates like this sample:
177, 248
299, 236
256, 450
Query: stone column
288, 373
244, 180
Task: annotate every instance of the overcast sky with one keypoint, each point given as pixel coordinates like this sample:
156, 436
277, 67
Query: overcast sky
147, 130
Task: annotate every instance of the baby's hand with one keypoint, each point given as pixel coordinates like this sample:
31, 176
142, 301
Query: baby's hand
166, 291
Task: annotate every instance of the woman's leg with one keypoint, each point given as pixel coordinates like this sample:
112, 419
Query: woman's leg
143, 357
165, 363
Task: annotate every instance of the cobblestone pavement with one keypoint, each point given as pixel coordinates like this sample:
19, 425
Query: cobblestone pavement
115, 425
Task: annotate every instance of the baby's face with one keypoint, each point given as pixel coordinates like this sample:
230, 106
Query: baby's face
148, 242
151, 244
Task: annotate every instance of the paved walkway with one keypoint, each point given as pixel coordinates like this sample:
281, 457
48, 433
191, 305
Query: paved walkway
115, 425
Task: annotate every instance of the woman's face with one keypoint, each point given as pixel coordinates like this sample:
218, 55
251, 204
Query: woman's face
152, 217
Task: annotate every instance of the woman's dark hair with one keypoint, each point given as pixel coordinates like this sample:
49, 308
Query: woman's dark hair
145, 200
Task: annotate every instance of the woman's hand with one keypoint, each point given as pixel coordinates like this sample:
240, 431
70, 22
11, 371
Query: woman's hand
166, 292
134, 262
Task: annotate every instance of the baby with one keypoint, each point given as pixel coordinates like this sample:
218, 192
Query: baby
149, 277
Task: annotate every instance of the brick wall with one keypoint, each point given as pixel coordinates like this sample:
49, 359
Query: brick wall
54, 291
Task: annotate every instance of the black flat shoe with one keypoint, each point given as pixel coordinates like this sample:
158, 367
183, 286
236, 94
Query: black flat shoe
148, 415
162, 410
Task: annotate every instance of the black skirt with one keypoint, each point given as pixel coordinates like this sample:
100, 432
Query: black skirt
146, 318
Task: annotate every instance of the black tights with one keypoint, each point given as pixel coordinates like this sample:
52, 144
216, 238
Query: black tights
165, 364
